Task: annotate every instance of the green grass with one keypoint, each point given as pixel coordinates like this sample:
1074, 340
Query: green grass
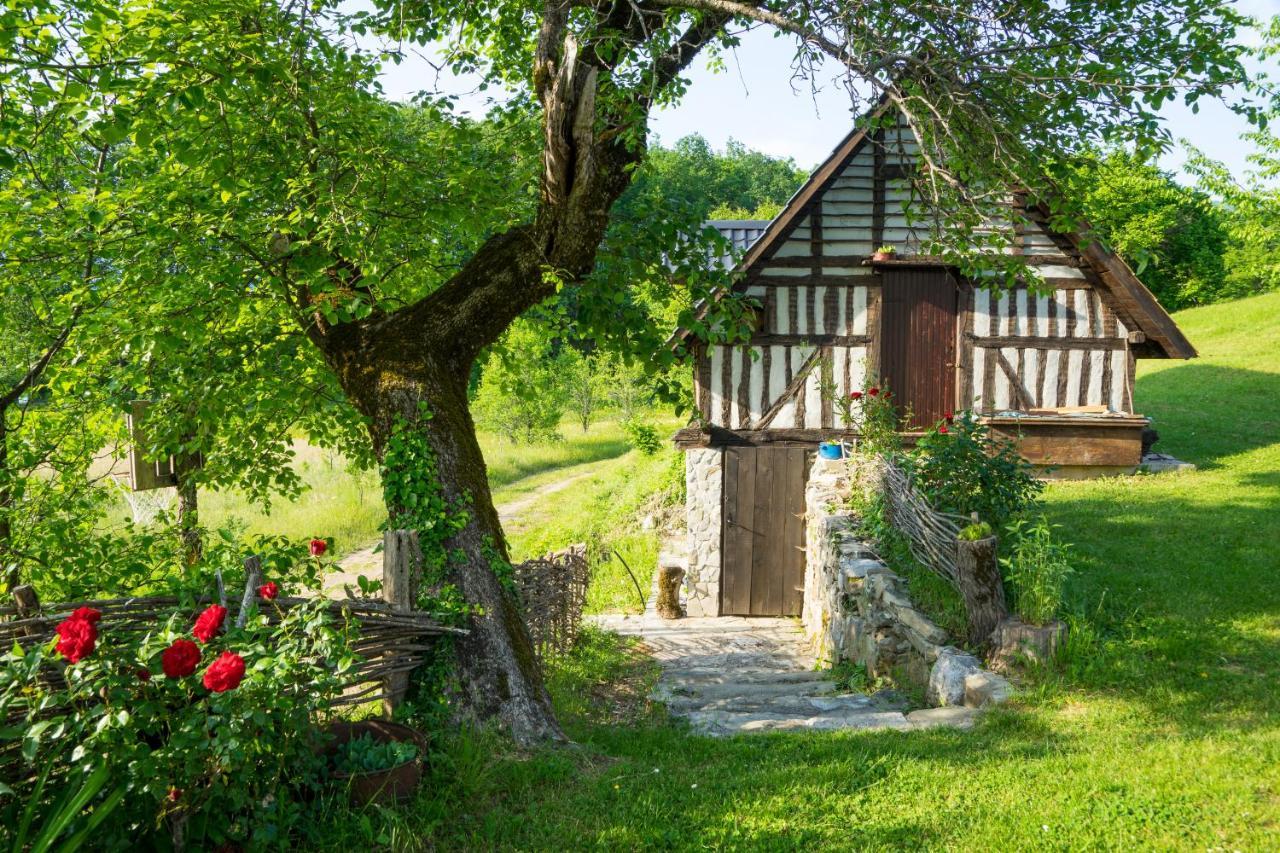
602, 509
346, 504
1160, 729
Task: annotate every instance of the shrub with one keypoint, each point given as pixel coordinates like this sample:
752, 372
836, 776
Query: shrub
975, 532
643, 437
874, 414
962, 469
1037, 568
214, 740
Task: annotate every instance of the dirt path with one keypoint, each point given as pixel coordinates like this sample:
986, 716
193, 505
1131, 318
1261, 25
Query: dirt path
368, 562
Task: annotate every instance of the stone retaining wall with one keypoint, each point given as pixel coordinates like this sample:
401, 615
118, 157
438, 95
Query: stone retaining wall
857, 609
704, 476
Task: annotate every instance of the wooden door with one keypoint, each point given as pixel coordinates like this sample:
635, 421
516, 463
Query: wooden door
918, 341
763, 546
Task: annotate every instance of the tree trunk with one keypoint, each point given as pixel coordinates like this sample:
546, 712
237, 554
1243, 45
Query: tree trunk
978, 576
189, 519
498, 674
8, 564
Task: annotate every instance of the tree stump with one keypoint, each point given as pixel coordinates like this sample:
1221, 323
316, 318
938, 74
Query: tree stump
978, 577
669, 578
1014, 638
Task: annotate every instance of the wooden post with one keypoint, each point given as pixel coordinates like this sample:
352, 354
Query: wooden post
28, 604
978, 577
401, 564
252, 578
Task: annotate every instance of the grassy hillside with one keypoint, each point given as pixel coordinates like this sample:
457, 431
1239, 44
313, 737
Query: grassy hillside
1161, 729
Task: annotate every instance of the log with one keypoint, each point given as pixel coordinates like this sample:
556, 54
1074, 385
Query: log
28, 604
978, 579
669, 578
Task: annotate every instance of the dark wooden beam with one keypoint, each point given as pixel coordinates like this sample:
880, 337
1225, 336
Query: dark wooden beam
1017, 341
811, 340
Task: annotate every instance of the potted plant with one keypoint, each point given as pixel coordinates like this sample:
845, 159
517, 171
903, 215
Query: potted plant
380, 761
831, 449
884, 253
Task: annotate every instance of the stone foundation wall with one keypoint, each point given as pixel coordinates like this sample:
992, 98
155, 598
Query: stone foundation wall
704, 482
857, 609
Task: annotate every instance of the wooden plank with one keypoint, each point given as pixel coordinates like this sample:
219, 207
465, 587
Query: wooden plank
964, 349
828, 387
833, 320
874, 296
766, 513
742, 362
877, 192
794, 384
704, 381
1021, 399
807, 340
766, 376
1002, 341
730, 529
792, 579
726, 383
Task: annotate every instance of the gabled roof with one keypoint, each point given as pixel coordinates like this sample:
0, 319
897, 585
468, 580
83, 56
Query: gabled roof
1143, 311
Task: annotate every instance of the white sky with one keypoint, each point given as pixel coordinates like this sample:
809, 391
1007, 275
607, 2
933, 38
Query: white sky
755, 102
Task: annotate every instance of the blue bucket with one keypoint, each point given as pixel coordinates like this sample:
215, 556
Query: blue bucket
831, 450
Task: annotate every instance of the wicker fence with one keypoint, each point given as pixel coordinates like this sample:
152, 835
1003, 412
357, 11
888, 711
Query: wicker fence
930, 534
553, 590
387, 643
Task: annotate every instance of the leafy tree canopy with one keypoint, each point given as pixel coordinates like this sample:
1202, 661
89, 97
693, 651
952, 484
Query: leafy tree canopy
1173, 236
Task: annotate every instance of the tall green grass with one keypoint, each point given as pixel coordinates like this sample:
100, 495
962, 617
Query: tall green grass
346, 504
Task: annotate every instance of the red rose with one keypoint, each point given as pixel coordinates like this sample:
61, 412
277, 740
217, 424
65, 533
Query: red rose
180, 659
950, 416
269, 590
856, 395
225, 673
144, 675
318, 547
76, 638
88, 614
175, 794
943, 429
873, 392
209, 623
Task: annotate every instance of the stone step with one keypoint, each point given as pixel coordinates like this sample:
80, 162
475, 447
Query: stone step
773, 704
706, 675
669, 690
722, 723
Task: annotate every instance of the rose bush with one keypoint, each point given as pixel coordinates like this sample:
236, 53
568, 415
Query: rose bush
221, 750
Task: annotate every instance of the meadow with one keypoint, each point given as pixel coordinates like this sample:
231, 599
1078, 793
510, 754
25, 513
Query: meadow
1158, 728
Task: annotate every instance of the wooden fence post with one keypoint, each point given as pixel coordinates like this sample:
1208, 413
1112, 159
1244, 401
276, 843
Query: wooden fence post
252, 577
980, 584
28, 604
401, 565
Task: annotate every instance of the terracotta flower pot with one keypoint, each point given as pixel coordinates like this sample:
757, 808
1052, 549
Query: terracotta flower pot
379, 786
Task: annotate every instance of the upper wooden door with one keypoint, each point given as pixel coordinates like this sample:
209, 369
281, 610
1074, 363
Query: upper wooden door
763, 545
918, 341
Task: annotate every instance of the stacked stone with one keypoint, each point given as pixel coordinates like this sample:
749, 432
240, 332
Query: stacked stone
856, 608
704, 473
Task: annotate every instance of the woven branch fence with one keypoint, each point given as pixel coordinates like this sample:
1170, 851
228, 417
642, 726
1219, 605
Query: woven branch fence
553, 590
930, 534
386, 642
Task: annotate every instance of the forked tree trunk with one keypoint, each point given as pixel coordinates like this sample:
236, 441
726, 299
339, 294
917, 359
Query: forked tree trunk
498, 676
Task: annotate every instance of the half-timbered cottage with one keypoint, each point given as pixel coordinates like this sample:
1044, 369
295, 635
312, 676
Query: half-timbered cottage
1051, 368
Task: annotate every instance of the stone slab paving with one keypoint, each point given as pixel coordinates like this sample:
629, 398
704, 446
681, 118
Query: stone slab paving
732, 675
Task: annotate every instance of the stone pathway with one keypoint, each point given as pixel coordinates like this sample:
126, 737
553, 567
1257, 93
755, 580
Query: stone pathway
732, 675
